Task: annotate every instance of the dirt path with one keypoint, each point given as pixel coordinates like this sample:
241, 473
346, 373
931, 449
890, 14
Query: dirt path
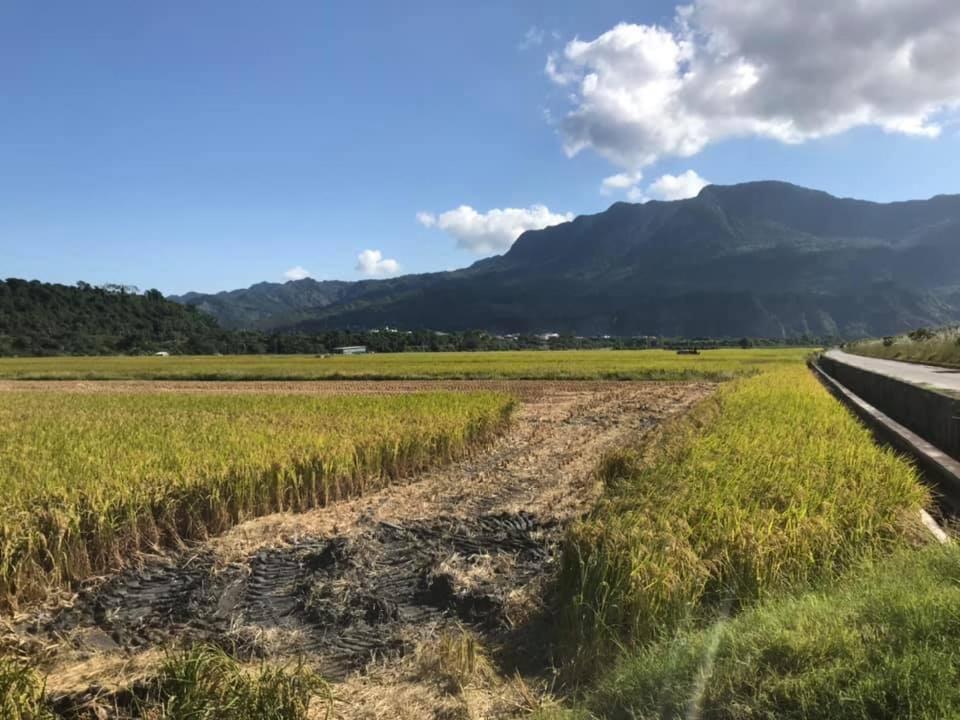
387, 594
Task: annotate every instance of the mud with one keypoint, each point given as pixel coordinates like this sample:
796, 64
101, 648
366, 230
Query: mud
344, 601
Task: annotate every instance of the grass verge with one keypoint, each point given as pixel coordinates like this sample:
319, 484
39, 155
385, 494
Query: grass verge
939, 347
883, 643
769, 485
87, 479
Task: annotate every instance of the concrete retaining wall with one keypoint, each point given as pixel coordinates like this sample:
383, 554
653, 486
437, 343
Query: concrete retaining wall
931, 415
937, 467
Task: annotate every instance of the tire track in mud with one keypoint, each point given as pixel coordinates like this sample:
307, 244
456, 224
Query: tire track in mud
371, 577
343, 600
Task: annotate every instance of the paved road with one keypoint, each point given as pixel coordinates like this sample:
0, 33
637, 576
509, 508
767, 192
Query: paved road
930, 375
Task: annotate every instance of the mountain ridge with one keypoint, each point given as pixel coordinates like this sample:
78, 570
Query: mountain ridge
764, 258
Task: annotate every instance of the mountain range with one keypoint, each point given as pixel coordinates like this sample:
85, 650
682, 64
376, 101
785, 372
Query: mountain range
765, 259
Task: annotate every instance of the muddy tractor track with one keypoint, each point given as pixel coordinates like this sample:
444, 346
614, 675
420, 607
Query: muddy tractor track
344, 600
361, 585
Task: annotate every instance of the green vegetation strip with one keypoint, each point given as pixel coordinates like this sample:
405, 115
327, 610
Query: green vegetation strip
938, 347
85, 479
882, 644
769, 485
534, 365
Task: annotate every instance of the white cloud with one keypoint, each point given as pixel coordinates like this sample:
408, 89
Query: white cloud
666, 187
372, 263
790, 70
532, 38
296, 273
677, 187
620, 181
492, 231
426, 219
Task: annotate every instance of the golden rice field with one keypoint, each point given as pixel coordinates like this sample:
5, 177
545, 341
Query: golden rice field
522, 364
769, 490
769, 484
85, 479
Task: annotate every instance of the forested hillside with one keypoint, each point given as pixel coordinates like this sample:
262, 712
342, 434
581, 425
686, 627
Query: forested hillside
39, 318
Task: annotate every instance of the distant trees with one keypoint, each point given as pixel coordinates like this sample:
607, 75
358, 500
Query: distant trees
48, 319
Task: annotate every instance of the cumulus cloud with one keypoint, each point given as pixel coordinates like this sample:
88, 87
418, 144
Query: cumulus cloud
296, 273
790, 70
677, 187
372, 263
492, 231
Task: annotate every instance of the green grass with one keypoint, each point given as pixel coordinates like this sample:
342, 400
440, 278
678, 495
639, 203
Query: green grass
882, 644
204, 683
771, 484
21, 692
937, 346
572, 364
199, 683
85, 479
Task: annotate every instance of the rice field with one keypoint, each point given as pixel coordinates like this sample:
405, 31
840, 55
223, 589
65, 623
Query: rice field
85, 479
721, 364
738, 534
770, 484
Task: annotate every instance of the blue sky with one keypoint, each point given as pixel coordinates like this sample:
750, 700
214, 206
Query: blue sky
208, 146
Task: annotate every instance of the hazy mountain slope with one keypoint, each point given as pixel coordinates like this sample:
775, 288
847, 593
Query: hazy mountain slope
764, 258
249, 306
